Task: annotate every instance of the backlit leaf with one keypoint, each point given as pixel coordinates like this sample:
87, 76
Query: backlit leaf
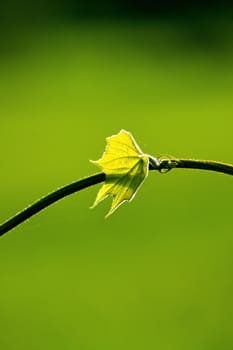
125, 167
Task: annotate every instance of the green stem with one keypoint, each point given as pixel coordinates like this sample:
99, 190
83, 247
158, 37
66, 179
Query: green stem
205, 165
167, 163
50, 199
160, 164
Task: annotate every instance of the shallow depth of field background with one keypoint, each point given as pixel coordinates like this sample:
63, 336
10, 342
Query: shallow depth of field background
158, 273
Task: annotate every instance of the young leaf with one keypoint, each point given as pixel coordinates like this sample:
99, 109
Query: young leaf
125, 167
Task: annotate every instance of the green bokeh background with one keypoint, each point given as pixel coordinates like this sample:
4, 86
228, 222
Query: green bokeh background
158, 273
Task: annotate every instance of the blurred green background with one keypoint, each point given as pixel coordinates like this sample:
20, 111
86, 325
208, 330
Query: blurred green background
158, 273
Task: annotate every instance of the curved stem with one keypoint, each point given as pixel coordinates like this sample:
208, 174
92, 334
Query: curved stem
167, 163
50, 199
161, 164
206, 165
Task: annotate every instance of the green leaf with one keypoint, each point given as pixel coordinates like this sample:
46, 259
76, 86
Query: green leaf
125, 167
